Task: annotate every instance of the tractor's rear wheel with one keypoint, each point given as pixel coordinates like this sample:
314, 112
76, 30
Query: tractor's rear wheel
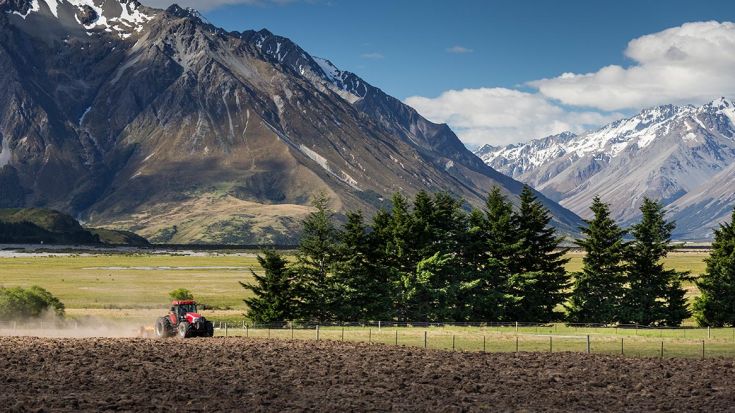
208, 329
185, 330
163, 328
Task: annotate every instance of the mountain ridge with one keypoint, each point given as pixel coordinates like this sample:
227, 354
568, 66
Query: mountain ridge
666, 152
168, 126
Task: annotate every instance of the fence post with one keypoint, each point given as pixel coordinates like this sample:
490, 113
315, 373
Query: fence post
247, 331
370, 335
551, 345
702, 349
453, 347
291, 331
225, 329
662, 349
622, 346
484, 349
426, 344
378, 325
396, 336
516, 327
317, 332
343, 333
709, 333
588, 344
269, 332
516, 344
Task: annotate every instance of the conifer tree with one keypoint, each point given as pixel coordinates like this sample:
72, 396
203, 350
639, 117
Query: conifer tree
654, 293
492, 243
716, 306
273, 293
363, 289
599, 288
315, 260
538, 277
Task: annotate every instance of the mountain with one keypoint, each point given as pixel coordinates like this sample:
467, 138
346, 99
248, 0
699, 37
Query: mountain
681, 155
36, 226
158, 122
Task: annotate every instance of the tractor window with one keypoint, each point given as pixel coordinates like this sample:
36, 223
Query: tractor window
188, 308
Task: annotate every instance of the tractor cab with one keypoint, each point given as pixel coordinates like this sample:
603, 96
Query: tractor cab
183, 310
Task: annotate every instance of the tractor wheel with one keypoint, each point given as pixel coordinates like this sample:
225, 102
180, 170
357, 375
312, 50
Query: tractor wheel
185, 330
208, 329
163, 328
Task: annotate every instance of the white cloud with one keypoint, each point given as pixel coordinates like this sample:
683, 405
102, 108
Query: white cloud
500, 116
459, 50
691, 63
372, 55
203, 5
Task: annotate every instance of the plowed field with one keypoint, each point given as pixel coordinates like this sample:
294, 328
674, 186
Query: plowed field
238, 374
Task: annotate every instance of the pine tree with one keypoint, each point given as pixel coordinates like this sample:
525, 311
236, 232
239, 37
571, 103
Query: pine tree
654, 293
315, 260
363, 289
599, 288
716, 306
273, 294
538, 277
492, 243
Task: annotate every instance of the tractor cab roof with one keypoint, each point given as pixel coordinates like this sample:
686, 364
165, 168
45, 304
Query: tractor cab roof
183, 302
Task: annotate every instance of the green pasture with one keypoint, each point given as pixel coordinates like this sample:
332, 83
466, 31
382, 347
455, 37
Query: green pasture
686, 342
138, 281
142, 281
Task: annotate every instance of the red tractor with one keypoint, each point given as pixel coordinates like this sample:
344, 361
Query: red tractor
184, 321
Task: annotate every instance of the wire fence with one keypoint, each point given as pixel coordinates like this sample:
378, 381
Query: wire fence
625, 340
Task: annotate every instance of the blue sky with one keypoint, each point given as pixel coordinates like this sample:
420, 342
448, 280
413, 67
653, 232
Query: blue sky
496, 51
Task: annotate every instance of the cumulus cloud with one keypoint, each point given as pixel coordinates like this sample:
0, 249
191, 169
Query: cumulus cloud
459, 50
691, 63
501, 116
203, 5
372, 56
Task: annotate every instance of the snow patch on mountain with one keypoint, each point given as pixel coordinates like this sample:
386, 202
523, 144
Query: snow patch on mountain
611, 141
129, 19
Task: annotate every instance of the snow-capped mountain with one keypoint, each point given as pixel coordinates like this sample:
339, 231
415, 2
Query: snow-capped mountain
159, 122
668, 153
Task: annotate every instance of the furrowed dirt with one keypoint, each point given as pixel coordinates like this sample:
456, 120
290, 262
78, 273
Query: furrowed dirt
259, 375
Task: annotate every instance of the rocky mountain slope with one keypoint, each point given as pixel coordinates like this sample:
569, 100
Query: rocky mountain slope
159, 122
682, 155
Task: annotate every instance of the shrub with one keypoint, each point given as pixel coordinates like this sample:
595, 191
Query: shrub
20, 303
181, 294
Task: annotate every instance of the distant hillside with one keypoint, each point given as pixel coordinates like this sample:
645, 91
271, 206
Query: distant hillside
36, 225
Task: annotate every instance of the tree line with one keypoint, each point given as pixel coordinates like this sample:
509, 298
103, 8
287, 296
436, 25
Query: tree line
430, 259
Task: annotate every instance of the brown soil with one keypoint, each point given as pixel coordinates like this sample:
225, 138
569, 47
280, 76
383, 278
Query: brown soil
258, 375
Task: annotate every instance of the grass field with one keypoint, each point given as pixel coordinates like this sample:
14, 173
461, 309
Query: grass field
106, 283
132, 281
134, 288
688, 343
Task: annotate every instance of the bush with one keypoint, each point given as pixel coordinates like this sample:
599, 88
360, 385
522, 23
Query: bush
20, 303
181, 294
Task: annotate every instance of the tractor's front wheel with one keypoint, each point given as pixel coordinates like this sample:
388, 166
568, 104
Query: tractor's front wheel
185, 330
163, 328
